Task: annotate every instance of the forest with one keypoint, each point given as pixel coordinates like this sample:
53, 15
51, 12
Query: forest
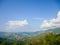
46, 39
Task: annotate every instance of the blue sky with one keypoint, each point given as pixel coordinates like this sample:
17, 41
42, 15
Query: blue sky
31, 12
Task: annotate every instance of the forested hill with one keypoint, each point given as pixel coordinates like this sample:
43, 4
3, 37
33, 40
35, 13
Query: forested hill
27, 34
48, 37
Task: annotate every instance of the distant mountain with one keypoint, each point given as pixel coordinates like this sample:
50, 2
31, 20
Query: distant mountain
55, 30
16, 35
21, 35
35, 38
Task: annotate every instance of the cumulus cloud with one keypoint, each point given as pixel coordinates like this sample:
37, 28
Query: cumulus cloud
53, 23
15, 24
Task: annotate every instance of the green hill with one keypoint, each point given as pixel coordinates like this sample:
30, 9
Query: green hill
48, 37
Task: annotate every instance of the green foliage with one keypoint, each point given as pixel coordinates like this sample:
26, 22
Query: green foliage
47, 39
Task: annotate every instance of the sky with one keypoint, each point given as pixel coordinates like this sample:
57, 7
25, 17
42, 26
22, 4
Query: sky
29, 15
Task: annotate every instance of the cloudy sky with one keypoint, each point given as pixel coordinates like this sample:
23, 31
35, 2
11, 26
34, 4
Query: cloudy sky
29, 15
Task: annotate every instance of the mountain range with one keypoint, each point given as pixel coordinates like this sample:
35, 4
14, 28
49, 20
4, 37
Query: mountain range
21, 35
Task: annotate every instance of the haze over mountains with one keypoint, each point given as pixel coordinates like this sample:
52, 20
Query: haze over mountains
19, 35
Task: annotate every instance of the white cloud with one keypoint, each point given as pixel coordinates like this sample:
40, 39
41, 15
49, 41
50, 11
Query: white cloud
55, 22
16, 24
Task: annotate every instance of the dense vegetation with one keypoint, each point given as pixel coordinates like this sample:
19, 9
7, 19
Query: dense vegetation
47, 39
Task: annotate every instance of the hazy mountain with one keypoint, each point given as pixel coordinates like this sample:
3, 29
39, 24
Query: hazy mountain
20, 35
